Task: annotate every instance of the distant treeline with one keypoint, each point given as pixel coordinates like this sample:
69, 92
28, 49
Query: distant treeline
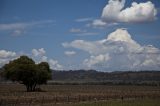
93, 77
106, 78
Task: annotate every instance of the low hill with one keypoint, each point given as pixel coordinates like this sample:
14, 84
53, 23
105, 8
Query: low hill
118, 77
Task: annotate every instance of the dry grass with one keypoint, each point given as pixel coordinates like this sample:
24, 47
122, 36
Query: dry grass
65, 94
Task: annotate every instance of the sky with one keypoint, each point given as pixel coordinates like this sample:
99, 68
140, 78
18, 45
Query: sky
105, 35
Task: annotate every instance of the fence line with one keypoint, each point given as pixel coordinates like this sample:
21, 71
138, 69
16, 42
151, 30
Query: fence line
67, 99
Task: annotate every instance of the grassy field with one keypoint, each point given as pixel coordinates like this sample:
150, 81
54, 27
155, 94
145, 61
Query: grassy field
80, 95
144, 102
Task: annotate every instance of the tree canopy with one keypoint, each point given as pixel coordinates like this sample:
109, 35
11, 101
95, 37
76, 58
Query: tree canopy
25, 71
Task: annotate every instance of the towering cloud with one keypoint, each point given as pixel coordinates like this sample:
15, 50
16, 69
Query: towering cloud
118, 52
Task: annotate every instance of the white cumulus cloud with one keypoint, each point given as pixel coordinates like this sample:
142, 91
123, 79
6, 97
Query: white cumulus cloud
114, 11
39, 55
44, 58
6, 56
38, 52
55, 65
91, 47
93, 60
118, 52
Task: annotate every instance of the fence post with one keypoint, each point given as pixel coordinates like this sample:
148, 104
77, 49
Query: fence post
1, 102
42, 100
79, 98
30, 102
122, 98
68, 99
89, 98
17, 101
55, 99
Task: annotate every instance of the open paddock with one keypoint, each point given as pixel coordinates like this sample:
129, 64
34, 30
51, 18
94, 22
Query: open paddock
78, 95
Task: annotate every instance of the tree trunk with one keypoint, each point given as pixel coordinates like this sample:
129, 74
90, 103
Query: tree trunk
27, 87
31, 88
34, 87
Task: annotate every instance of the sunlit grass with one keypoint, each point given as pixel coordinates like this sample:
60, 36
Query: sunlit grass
139, 102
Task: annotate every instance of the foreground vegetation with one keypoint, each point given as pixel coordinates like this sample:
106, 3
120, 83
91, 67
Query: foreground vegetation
80, 95
25, 71
142, 102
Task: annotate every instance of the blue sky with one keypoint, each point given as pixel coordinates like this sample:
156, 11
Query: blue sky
40, 28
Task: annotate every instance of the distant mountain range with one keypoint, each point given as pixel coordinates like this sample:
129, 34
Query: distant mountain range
96, 77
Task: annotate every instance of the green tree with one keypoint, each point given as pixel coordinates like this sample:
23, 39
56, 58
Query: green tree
43, 73
25, 71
